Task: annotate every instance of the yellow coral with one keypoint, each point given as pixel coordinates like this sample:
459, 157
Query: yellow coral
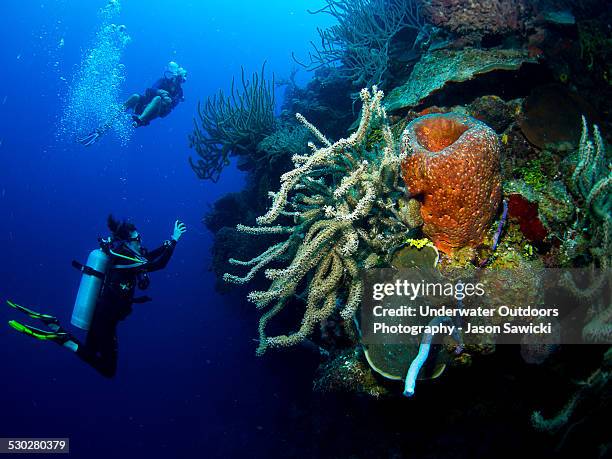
419, 243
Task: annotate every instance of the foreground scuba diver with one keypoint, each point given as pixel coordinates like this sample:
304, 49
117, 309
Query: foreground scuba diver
106, 294
157, 102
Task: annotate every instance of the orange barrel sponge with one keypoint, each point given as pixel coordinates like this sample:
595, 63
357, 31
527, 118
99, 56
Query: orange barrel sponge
452, 164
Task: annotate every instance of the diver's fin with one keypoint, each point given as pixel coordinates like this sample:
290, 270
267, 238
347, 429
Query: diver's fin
137, 122
43, 335
44, 318
90, 138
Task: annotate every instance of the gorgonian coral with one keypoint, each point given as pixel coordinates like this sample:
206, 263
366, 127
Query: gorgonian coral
340, 208
592, 181
360, 43
232, 125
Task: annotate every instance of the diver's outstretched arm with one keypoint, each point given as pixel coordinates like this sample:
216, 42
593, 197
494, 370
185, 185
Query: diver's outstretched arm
159, 258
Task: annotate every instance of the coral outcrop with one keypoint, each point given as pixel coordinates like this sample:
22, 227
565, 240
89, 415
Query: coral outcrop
232, 125
590, 396
592, 180
477, 17
527, 215
361, 40
438, 68
339, 208
551, 116
332, 206
453, 165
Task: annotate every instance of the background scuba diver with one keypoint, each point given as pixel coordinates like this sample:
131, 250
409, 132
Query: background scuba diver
157, 102
129, 265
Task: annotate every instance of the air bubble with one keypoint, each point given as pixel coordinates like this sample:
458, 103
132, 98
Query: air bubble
93, 99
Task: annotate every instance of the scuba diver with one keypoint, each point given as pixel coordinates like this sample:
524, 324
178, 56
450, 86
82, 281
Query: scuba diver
105, 295
157, 102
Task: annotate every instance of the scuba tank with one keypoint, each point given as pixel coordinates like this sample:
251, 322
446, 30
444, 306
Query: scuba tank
94, 270
89, 288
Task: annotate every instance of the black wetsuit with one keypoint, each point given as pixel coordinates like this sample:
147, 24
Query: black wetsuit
171, 86
115, 304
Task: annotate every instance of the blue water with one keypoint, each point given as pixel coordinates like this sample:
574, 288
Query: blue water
188, 383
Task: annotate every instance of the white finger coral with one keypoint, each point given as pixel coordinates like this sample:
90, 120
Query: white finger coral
343, 202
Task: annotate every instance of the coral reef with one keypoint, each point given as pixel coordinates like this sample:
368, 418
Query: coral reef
438, 68
536, 349
452, 162
361, 40
591, 183
286, 140
516, 279
493, 111
551, 117
527, 69
342, 202
349, 373
476, 18
556, 207
232, 125
542, 207
592, 395
527, 215
393, 360
326, 100
419, 253
595, 44
229, 210
417, 257
533, 175
592, 180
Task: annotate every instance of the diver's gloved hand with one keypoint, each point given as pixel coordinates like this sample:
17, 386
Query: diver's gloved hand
179, 230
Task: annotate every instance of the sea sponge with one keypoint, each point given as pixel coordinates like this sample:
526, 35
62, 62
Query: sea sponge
479, 17
452, 163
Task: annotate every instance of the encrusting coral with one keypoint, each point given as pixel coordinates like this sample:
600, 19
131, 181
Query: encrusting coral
436, 69
341, 203
477, 16
452, 161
